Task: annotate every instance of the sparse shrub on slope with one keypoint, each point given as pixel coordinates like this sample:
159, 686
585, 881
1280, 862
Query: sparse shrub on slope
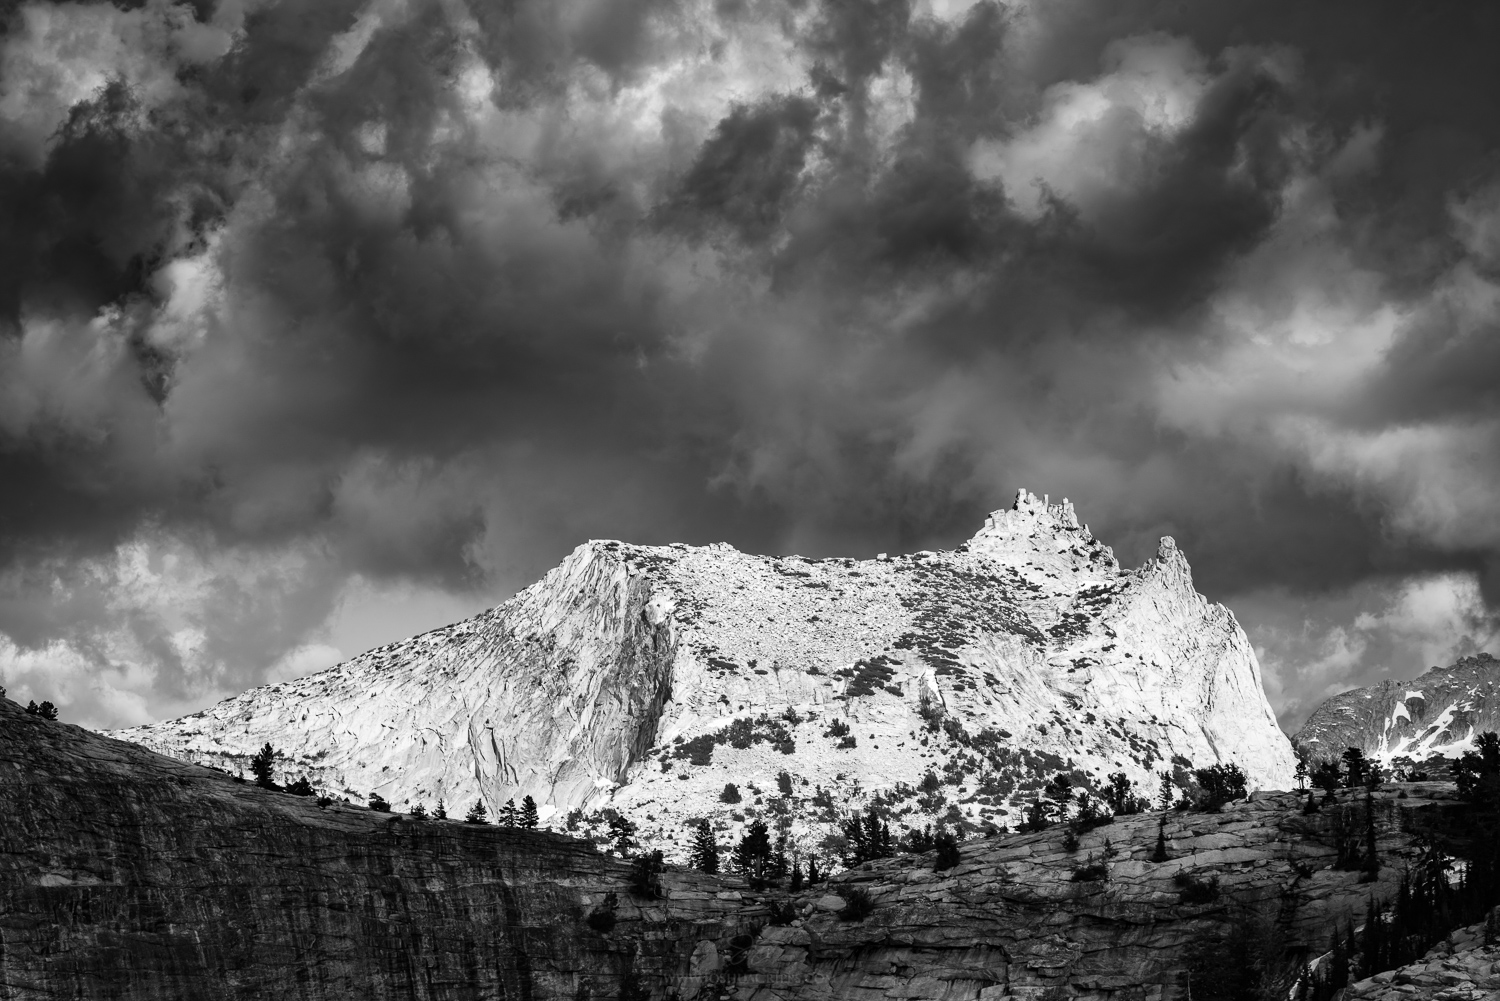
1091, 871
1193, 890
602, 917
858, 904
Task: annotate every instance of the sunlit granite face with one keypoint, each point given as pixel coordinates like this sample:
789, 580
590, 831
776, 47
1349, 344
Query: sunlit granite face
949, 685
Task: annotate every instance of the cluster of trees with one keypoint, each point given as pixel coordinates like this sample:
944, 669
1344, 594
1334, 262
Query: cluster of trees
1253, 959
1428, 905
263, 765
509, 815
868, 837
1064, 800
1477, 773
46, 710
1350, 770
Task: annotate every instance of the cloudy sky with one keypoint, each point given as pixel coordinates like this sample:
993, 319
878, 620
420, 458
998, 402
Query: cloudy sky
323, 322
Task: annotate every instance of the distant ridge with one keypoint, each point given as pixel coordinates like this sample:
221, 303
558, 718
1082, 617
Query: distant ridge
1437, 713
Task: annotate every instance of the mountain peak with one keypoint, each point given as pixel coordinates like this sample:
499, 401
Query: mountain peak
944, 686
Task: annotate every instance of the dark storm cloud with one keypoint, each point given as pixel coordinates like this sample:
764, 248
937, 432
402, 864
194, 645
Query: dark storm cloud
748, 170
300, 293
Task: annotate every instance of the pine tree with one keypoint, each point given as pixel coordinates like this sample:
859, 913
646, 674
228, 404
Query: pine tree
645, 875
776, 871
1059, 792
528, 818
1372, 944
378, 803
947, 852
796, 882
1166, 792
1354, 767
47, 711
1371, 864
1160, 854
868, 838
506, 817
261, 766
814, 877
1340, 968
704, 854
418, 811
1034, 818
440, 812
477, 813
753, 854
301, 787
622, 834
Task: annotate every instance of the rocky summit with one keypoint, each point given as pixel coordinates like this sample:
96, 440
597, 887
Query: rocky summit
646, 679
1436, 714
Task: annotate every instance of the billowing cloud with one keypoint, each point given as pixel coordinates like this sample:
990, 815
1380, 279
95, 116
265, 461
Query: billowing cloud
311, 311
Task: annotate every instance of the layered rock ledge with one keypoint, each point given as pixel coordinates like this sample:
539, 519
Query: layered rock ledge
126, 874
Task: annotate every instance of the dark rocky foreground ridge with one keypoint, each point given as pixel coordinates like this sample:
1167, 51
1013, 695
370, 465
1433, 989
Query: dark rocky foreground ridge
125, 874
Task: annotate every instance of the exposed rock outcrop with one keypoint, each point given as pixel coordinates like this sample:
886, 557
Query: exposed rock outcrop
1438, 713
125, 874
1463, 967
645, 678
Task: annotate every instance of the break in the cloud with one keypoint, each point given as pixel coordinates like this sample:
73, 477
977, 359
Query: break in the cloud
319, 317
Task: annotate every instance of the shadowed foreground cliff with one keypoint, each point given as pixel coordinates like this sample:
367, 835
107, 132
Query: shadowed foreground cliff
129, 875
125, 874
